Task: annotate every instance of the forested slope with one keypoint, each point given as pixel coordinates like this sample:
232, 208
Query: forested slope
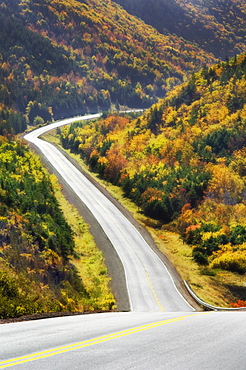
218, 26
183, 161
65, 57
36, 242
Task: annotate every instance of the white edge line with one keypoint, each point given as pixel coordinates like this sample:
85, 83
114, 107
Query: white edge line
41, 131
84, 118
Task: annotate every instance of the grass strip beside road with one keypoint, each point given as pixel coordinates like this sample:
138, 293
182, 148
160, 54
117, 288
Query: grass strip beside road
88, 260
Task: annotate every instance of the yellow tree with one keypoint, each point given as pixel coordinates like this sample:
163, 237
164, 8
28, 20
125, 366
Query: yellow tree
226, 186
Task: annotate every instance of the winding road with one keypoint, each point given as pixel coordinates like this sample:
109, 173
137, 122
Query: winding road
149, 284
162, 331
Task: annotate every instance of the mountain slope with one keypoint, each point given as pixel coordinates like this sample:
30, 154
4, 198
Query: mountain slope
183, 162
59, 57
218, 26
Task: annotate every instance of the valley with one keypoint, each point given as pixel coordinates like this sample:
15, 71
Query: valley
181, 162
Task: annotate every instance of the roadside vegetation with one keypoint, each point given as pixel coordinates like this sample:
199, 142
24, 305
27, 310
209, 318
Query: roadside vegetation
88, 259
40, 256
221, 289
182, 164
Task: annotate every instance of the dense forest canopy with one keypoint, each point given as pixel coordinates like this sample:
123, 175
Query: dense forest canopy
218, 26
183, 161
65, 57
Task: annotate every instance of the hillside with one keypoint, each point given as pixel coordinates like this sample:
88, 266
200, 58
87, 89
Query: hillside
46, 265
69, 57
183, 162
36, 242
218, 26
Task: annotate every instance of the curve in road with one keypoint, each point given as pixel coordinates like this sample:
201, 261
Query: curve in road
149, 284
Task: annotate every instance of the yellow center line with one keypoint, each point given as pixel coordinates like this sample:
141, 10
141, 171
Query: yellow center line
150, 283
144, 266
154, 292
87, 343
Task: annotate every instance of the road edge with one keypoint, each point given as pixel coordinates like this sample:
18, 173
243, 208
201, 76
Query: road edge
178, 281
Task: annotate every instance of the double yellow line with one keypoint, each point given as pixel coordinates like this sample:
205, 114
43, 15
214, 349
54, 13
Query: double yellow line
86, 343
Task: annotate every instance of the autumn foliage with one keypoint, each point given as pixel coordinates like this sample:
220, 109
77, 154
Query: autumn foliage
36, 242
183, 161
239, 303
218, 26
59, 58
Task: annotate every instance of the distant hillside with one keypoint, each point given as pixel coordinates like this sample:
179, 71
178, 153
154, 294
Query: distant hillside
183, 161
218, 26
66, 57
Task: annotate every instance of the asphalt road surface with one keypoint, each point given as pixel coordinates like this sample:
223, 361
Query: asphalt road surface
127, 340
150, 286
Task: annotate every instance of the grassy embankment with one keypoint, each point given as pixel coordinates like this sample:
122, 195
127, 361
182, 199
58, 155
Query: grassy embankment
215, 289
90, 262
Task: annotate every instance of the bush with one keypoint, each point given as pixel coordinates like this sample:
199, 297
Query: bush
8, 286
207, 271
199, 257
235, 262
38, 121
239, 303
